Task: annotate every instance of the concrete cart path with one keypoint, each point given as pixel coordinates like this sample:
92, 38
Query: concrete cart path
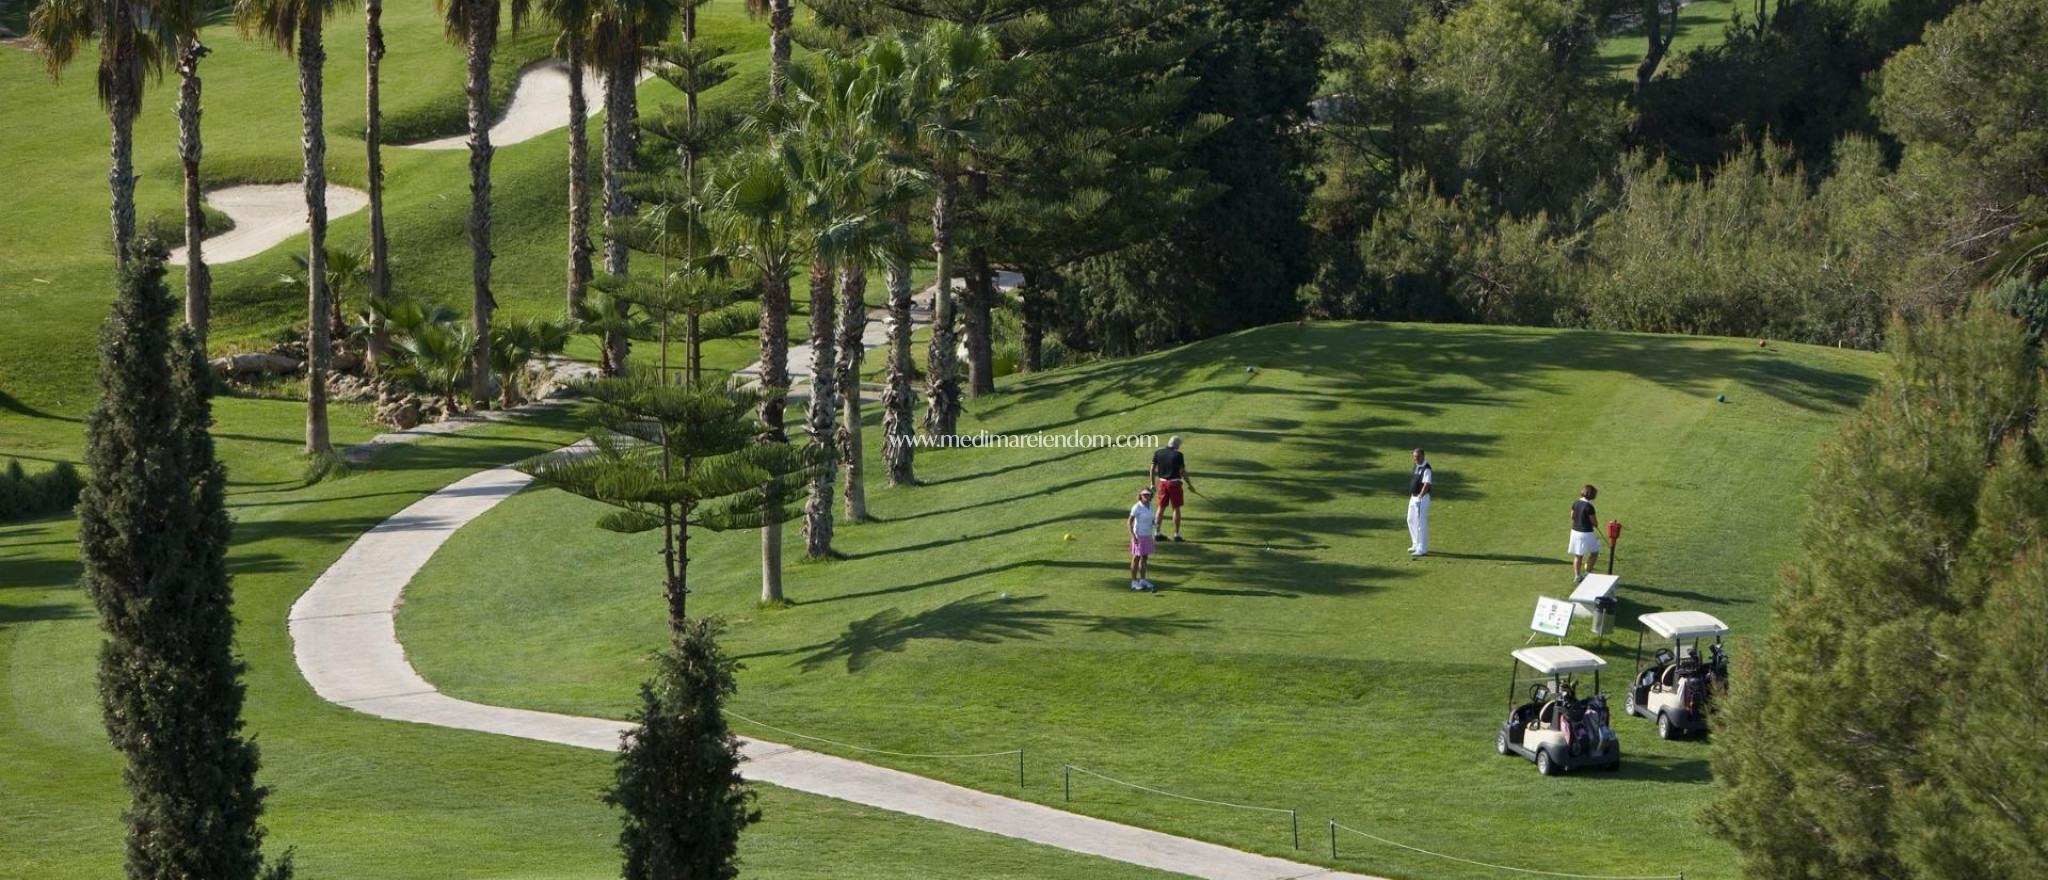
345, 640
265, 215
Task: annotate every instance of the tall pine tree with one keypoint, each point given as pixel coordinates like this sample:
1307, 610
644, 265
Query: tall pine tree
153, 534
1885, 730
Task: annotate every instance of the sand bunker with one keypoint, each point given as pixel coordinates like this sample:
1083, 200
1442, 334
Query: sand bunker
265, 215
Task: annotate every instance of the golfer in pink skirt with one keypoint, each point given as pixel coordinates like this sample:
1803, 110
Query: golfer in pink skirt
1141, 525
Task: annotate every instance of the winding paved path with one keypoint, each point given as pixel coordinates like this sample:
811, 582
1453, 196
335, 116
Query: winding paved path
345, 639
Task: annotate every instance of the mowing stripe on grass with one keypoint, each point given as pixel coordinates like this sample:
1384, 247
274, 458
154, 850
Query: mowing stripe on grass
1335, 825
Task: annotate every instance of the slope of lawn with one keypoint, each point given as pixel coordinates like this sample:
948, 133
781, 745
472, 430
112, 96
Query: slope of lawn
361, 797
56, 267
1294, 657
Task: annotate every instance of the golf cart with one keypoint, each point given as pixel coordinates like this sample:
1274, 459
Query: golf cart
1556, 728
1673, 691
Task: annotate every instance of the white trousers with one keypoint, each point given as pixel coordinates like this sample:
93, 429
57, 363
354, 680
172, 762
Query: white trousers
1418, 524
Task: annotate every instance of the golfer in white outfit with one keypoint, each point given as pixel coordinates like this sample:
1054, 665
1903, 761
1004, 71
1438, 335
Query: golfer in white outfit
1418, 507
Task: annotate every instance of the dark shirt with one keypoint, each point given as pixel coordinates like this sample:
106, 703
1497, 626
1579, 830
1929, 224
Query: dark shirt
1423, 474
1169, 464
1583, 517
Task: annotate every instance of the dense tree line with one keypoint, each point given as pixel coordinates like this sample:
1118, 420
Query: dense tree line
1824, 166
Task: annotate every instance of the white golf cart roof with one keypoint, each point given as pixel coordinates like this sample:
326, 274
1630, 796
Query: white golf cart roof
1553, 659
1684, 624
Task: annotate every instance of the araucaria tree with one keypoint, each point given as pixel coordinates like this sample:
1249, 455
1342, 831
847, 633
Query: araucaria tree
671, 457
295, 26
152, 535
1891, 725
678, 775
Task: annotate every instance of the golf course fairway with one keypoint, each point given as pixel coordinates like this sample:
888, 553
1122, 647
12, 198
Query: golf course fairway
1294, 657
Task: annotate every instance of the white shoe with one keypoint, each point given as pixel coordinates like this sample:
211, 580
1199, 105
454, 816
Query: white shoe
1137, 586
1149, 588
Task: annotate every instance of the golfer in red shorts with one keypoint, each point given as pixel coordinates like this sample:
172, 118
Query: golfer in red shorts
1170, 474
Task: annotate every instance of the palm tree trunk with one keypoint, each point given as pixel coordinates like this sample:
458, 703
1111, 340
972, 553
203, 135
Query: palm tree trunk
619, 116
821, 411
579, 180
898, 455
483, 38
781, 14
124, 103
853, 322
981, 300
198, 280
1030, 355
942, 386
313, 136
373, 142
774, 381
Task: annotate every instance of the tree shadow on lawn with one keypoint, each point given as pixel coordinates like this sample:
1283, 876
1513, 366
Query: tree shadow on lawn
16, 614
1502, 558
1685, 595
954, 579
19, 571
1396, 366
1263, 575
10, 403
979, 618
1658, 768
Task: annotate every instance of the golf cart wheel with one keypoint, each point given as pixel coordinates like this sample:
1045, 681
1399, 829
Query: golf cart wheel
1629, 706
1546, 766
1500, 741
1665, 729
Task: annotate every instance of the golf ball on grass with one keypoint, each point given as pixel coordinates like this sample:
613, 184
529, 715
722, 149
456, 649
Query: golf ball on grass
1720, 398
1247, 369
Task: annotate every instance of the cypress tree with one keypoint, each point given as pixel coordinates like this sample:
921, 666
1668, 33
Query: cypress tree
153, 532
678, 769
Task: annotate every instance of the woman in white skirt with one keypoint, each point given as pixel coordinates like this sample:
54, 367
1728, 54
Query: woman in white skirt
1585, 544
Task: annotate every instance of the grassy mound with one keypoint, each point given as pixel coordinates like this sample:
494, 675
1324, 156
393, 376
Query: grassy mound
1295, 657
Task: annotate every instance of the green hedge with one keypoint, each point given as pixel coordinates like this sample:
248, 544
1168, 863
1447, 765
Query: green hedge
23, 495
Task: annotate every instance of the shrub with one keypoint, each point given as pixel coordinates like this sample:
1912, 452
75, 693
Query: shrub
24, 495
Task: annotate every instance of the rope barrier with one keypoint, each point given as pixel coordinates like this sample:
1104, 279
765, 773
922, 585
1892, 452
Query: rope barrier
1293, 816
1334, 825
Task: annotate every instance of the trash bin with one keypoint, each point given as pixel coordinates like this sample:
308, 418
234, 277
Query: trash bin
1603, 615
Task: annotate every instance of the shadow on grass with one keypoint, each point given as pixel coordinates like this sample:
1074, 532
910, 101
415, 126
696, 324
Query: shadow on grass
979, 618
10, 403
1504, 558
15, 614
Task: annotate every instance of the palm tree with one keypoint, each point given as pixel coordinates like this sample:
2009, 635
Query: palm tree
572, 18
373, 142
131, 39
295, 26
781, 14
840, 107
474, 23
185, 18
957, 77
758, 216
619, 31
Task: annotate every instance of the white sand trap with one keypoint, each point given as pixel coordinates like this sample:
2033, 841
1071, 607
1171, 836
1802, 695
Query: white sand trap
265, 215
540, 104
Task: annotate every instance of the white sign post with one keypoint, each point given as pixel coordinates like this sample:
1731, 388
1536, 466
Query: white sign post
1553, 617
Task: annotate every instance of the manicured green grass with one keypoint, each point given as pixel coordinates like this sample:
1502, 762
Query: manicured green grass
1700, 23
1295, 657
358, 796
